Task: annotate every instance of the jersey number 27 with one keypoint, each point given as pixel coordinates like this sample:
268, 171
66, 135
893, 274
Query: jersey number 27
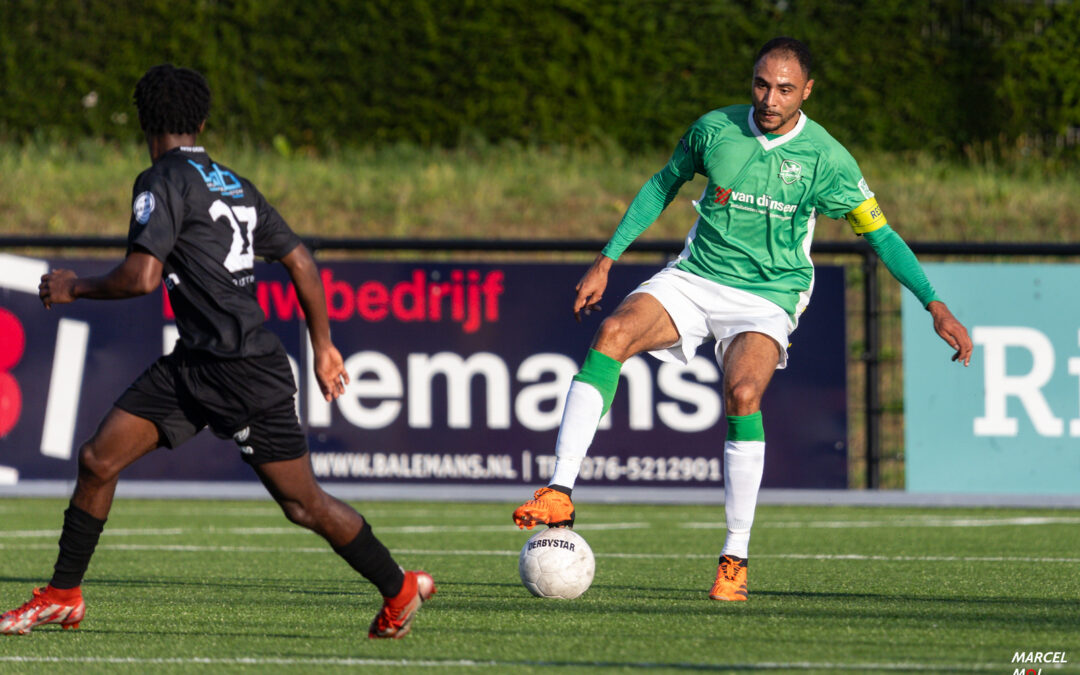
243, 220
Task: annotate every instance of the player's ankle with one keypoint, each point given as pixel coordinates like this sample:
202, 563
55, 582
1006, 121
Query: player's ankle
561, 488
408, 590
63, 594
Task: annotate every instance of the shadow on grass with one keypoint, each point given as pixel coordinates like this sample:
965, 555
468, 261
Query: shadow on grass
950, 600
90, 630
38, 581
628, 600
575, 666
997, 611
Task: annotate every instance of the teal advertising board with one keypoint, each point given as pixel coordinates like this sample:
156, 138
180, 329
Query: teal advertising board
1010, 423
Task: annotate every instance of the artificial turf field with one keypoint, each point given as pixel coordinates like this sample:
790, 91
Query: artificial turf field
225, 586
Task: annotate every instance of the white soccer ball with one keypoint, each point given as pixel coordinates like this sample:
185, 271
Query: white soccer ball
556, 563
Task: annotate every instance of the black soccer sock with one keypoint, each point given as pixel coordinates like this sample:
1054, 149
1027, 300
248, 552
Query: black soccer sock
369, 557
78, 540
561, 488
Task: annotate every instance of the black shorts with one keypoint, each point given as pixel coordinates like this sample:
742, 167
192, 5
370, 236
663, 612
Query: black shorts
249, 400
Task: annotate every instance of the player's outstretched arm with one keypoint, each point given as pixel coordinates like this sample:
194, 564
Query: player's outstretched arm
951, 331
903, 265
139, 274
591, 287
329, 366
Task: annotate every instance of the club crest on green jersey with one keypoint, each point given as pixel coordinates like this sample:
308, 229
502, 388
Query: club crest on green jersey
790, 171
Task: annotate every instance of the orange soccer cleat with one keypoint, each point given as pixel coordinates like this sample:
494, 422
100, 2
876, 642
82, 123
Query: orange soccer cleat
49, 605
547, 506
730, 581
394, 620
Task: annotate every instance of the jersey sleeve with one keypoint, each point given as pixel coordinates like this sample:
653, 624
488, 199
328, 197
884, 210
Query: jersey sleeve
902, 263
844, 187
157, 211
691, 153
274, 239
659, 191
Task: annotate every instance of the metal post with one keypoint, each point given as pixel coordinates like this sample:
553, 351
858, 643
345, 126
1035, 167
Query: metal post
871, 356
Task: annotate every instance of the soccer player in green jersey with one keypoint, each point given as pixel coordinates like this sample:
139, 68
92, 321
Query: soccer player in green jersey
743, 280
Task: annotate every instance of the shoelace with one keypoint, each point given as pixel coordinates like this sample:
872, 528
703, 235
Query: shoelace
729, 570
39, 600
34, 603
388, 618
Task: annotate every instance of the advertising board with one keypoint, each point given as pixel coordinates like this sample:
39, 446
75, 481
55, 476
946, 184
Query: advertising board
458, 372
1011, 422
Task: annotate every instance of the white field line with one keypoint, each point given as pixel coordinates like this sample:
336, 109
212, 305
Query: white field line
470, 663
902, 521
920, 558
191, 548
119, 532
133, 508
426, 529
215, 511
408, 529
913, 521
788, 556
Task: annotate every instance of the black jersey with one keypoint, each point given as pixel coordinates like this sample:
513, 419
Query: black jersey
206, 224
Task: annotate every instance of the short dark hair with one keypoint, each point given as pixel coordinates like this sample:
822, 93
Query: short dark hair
789, 46
172, 100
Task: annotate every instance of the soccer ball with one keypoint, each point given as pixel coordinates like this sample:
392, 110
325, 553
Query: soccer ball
556, 563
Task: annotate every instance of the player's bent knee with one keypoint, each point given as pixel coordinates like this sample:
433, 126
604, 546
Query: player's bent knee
614, 338
93, 466
743, 399
296, 513
310, 513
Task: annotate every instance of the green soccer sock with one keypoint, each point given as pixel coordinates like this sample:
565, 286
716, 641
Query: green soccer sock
601, 371
745, 427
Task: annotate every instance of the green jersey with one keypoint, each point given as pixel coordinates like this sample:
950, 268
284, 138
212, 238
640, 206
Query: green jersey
757, 213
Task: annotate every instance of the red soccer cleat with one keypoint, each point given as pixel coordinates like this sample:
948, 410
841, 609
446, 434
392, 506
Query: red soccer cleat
49, 605
394, 620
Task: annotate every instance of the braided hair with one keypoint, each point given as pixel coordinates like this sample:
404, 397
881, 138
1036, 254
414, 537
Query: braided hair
172, 100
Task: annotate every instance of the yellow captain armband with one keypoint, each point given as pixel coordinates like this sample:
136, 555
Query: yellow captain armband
866, 217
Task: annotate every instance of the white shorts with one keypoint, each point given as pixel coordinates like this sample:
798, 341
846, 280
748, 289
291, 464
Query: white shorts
703, 309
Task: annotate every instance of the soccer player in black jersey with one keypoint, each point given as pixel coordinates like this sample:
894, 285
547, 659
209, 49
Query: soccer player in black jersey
198, 226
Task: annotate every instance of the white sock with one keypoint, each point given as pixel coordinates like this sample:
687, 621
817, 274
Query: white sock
581, 416
744, 462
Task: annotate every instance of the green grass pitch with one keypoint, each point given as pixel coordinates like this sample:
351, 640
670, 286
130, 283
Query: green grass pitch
221, 586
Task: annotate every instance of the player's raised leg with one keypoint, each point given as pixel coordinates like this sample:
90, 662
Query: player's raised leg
749, 364
292, 484
120, 440
639, 324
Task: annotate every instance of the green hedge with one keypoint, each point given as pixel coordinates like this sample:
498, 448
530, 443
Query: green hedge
895, 74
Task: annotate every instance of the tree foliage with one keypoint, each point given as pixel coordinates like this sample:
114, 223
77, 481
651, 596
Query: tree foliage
895, 74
